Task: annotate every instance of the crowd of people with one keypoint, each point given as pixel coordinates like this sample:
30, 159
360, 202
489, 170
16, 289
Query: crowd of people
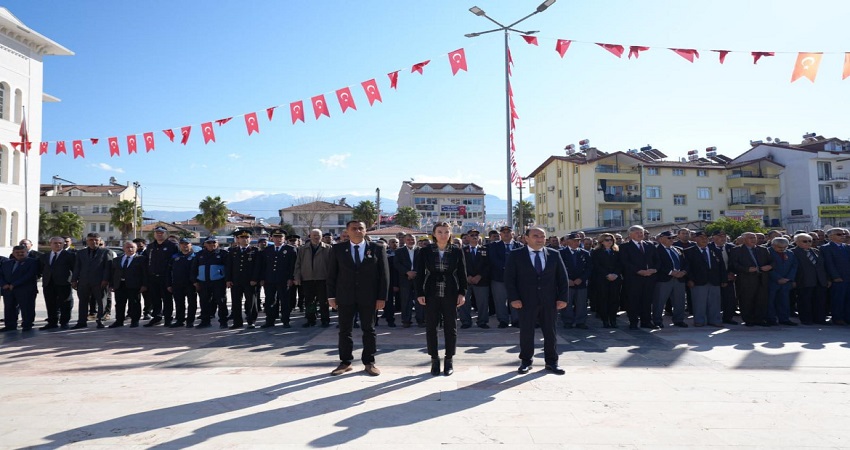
526, 281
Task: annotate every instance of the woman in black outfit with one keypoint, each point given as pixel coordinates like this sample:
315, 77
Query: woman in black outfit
440, 287
608, 279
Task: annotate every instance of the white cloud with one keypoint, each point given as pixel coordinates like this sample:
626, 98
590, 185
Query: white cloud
234, 156
107, 167
245, 194
335, 161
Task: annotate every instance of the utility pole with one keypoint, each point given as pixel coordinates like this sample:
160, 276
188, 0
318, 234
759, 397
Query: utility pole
136, 186
378, 207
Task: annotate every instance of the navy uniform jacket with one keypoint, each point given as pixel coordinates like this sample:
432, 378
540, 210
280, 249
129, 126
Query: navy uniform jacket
498, 253
523, 283
350, 284
23, 278
402, 264
209, 266
181, 274
698, 270
837, 261
60, 273
478, 264
159, 257
133, 277
665, 264
278, 267
243, 266
578, 265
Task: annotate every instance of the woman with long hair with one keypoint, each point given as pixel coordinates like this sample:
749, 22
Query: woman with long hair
440, 287
607, 278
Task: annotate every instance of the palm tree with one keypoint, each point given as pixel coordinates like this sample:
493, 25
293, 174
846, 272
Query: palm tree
525, 209
123, 215
67, 224
366, 212
213, 213
408, 217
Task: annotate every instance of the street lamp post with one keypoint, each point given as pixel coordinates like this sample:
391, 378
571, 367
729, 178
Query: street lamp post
135, 206
506, 28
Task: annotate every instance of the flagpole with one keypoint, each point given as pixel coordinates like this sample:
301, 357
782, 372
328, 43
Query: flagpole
25, 139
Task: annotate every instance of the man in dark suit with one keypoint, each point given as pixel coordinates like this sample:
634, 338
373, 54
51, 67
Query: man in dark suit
478, 282
277, 272
706, 276
498, 253
358, 281
579, 267
812, 281
57, 267
91, 277
18, 277
751, 264
243, 273
404, 264
836, 255
670, 281
129, 280
640, 264
538, 286
728, 297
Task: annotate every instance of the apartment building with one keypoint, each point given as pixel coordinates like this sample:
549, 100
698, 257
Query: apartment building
326, 216
91, 202
461, 204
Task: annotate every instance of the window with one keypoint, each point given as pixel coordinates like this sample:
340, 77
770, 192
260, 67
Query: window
66, 208
95, 209
4, 94
704, 214
653, 215
560, 217
679, 199
680, 219
678, 172
93, 227
559, 172
560, 193
575, 169
3, 162
653, 192
652, 171
824, 170
576, 191
578, 216
704, 193
702, 173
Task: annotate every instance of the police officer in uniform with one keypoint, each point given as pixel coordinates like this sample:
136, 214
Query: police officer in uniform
159, 254
277, 265
209, 275
180, 279
242, 275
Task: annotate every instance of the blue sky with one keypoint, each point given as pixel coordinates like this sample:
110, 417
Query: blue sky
146, 66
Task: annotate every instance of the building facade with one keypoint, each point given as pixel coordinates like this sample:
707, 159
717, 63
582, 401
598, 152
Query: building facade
461, 204
326, 216
22, 51
91, 202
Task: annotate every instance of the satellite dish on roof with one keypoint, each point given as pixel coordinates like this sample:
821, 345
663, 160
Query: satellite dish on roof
769, 139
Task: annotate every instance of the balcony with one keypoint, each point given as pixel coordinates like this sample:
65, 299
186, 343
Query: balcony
754, 200
834, 200
749, 179
834, 179
616, 223
614, 198
615, 169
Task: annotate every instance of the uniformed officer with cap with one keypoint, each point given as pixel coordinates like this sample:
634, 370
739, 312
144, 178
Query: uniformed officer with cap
277, 265
159, 254
180, 279
209, 273
242, 276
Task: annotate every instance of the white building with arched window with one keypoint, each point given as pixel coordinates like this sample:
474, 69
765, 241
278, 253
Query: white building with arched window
22, 51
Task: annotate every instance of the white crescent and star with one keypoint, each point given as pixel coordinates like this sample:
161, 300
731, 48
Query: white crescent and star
344, 97
132, 141
296, 109
370, 89
807, 62
251, 120
149, 139
457, 57
207, 130
319, 104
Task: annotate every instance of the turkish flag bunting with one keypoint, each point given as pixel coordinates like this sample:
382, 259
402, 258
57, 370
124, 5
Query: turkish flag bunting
149, 141
635, 50
113, 147
42, 148
78, 150
616, 50
457, 59
393, 79
170, 134
221, 122
320, 106
94, 140
345, 99
687, 53
251, 123
562, 46
60, 147
530, 39
296, 109
846, 66
419, 66
806, 66
131, 144
208, 132
25, 149
723, 54
510, 62
372, 92
184, 131
270, 112
757, 56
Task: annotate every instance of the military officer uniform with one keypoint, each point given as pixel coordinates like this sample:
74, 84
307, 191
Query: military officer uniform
180, 281
159, 259
242, 276
277, 265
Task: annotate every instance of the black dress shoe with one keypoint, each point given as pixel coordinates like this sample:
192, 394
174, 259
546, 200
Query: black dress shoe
134, 324
681, 324
204, 325
287, 325
448, 368
556, 369
5, 329
524, 368
435, 366
116, 325
100, 324
788, 322
503, 324
327, 324
176, 325
190, 324
267, 325
581, 326
25, 329
49, 326
730, 322
484, 326
64, 326
633, 326
466, 325
80, 325
515, 324
647, 325
308, 325
391, 324
153, 321
236, 326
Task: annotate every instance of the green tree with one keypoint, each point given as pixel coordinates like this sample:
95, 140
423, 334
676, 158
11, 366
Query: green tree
366, 212
44, 230
66, 224
287, 228
526, 210
213, 213
408, 217
123, 215
734, 228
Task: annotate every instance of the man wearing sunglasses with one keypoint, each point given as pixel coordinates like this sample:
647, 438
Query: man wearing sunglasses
836, 255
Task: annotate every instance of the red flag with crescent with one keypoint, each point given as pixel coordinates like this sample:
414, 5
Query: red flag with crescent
296, 109
270, 112
170, 134
723, 54
393, 79
113, 146
251, 123
530, 39
221, 122
208, 132
616, 50
94, 141
806, 66
320, 106
42, 148
148, 141
635, 50
345, 99
846, 66
131, 144
60, 147
757, 56
418, 67
184, 131
562, 46
372, 92
457, 59
78, 149
687, 53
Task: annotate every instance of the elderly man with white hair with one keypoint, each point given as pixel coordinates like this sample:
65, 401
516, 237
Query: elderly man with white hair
812, 281
781, 281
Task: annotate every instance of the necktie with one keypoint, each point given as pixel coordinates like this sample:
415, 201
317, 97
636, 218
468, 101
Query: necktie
17, 264
640, 247
707, 259
812, 257
538, 263
356, 255
753, 255
52, 258
126, 262
675, 258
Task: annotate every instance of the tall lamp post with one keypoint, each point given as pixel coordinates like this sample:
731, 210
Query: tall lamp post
506, 28
136, 186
